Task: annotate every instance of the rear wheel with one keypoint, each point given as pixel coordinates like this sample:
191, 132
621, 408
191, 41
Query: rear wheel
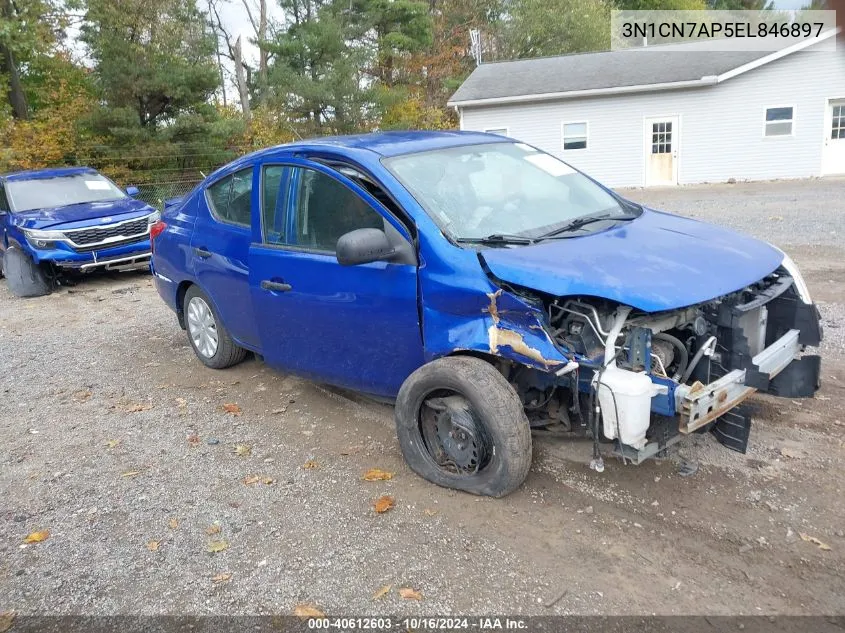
210, 339
461, 425
24, 276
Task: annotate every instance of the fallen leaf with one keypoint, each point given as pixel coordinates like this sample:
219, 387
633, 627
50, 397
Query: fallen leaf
217, 546
221, 577
251, 479
377, 474
7, 618
136, 408
429, 512
410, 594
212, 529
268, 480
307, 611
231, 408
383, 504
243, 450
278, 411
193, 439
173, 524
113, 443
310, 465
381, 592
82, 395
812, 539
791, 453
153, 545
130, 473
37, 537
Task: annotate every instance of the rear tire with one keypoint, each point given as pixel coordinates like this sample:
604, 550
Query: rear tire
209, 338
499, 433
24, 277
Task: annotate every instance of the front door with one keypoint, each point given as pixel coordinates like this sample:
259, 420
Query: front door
352, 326
833, 152
661, 151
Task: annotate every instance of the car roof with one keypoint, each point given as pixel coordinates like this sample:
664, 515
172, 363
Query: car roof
388, 143
35, 174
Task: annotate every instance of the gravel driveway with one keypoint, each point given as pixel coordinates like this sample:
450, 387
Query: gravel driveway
167, 487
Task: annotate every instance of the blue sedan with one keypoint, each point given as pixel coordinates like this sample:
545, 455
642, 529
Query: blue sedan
68, 219
488, 289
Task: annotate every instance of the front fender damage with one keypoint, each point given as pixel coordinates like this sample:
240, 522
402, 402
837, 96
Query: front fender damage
502, 325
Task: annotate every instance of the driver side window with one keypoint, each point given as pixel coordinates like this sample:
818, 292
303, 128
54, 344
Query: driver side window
324, 209
4, 203
230, 198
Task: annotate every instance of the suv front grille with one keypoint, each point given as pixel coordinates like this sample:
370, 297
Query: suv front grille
84, 239
96, 247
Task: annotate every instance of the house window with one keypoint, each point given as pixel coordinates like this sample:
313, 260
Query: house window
779, 121
837, 129
575, 136
501, 131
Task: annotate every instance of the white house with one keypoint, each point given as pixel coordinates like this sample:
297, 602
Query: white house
674, 114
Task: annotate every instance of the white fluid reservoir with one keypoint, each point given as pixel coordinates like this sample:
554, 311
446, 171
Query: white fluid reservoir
625, 401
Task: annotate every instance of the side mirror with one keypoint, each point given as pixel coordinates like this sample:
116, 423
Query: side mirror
363, 246
132, 191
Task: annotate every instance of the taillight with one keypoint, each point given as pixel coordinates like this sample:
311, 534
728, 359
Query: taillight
156, 230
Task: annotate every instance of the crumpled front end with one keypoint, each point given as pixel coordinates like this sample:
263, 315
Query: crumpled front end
642, 379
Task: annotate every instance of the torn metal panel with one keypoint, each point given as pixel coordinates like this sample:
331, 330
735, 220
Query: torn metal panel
508, 327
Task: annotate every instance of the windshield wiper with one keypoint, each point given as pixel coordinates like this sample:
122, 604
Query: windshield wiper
496, 239
584, 220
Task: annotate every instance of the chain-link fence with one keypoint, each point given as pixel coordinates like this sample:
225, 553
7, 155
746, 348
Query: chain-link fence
155, 193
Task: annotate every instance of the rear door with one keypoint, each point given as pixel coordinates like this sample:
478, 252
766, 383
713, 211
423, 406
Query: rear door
352, 326
220, 252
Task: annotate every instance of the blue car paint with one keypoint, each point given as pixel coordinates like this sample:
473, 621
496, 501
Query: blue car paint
334, 328
657, 262
67, 217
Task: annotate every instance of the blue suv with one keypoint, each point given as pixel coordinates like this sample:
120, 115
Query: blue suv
68, 219
487, 289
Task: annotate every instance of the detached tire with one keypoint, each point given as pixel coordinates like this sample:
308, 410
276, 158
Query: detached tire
209, 338
24, 276
461, 425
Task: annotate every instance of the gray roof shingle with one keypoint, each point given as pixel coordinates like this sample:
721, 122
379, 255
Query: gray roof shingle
607, 69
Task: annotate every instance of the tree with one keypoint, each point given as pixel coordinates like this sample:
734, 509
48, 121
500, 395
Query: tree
538, 28
153, 57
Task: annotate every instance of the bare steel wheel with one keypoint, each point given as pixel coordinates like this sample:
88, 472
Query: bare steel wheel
461, 425
209, 338
452, 434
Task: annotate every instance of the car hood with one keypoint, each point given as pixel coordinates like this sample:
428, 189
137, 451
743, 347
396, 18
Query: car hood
656, 262
85, 214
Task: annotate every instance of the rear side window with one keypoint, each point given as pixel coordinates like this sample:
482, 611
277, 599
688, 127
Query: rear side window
230, 198
4, 204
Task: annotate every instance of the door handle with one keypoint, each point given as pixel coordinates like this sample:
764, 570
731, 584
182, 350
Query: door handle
203, 253
275, 286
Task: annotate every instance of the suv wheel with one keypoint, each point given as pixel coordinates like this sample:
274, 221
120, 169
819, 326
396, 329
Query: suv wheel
24, 276
210, 339
461, 425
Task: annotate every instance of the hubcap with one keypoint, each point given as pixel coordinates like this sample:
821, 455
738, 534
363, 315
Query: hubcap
202, 327
453, 436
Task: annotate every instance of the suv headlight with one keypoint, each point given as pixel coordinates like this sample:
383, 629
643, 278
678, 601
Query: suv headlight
800, 284
43, 239
154, 217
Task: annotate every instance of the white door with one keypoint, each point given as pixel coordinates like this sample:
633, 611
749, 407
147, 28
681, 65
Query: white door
833, 152
661, 151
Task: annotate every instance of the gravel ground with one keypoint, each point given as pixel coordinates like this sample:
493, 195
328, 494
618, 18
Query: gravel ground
116, 441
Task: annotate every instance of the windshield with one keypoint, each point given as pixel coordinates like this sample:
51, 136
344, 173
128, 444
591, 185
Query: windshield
44, 193
476, 191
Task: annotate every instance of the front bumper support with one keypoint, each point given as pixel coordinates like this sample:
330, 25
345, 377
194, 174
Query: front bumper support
135, 261
698, 404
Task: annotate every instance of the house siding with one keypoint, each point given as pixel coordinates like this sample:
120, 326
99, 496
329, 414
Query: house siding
721, 126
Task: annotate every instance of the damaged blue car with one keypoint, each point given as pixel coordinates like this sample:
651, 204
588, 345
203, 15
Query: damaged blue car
68, 220
488, 289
